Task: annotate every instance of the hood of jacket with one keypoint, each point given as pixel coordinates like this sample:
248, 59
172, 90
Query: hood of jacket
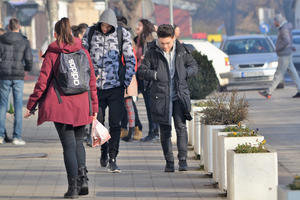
108, 16
11, 38
65, 48
280, 19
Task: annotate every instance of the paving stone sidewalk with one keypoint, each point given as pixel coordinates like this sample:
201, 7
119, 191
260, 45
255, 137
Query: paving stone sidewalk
26, 173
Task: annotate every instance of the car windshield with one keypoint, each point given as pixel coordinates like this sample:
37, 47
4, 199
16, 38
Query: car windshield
245, 46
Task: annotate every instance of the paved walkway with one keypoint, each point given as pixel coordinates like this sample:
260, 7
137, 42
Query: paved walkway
26, 174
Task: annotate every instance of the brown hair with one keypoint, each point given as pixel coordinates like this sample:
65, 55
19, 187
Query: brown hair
14, 24
63, 31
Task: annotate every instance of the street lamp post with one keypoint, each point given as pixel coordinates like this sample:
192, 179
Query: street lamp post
171, 12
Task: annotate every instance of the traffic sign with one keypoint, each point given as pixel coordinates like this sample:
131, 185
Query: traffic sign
264, 28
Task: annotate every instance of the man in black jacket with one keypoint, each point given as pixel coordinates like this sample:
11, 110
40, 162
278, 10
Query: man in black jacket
169, 93
15, 58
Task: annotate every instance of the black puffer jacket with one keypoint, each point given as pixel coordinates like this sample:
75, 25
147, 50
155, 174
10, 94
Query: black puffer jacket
155, 62
15, 56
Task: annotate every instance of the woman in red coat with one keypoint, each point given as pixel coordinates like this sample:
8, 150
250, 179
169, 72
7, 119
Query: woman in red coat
72, 114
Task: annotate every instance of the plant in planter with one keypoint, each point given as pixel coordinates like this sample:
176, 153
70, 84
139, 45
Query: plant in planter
229, 139
225, 110
252, 172
291, 191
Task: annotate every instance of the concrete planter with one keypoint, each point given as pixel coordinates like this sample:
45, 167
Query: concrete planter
191, 124
252, 176
216, 157
208, 146
284, 193
197, 130
230, 143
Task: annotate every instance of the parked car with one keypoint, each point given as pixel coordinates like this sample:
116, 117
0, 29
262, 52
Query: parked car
220, 60
296, 53
295, 32
252, 57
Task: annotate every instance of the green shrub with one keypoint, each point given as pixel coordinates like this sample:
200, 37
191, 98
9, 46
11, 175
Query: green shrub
205, 81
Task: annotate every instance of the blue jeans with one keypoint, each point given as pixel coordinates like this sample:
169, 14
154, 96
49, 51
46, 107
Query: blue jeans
17, 87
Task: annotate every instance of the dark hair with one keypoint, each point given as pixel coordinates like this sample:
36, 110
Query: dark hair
14, 24
63, 31
83, 26
80, 29
165, 30
122, 19
148, 28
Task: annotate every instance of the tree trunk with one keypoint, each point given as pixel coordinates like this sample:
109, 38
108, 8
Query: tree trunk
52, 8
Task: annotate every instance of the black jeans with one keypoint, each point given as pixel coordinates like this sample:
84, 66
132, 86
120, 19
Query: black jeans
72, 142
153, 127
181, 132
114, 99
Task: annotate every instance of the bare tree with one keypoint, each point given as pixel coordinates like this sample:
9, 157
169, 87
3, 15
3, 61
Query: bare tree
52, 8
131, 9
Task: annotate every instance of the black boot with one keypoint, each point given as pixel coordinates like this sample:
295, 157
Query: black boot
169, 166
128, 138
183, 165
83, 188
72, 192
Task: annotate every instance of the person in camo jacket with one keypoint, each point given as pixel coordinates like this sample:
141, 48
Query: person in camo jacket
104, 51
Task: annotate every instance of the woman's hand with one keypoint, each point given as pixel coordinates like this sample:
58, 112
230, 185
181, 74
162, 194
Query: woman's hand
27, 114
95, 116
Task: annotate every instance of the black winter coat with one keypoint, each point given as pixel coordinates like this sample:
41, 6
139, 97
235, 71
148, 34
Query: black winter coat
15, 56
160, 99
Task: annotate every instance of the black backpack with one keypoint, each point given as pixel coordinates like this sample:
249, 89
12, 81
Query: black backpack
73, 75
122, 67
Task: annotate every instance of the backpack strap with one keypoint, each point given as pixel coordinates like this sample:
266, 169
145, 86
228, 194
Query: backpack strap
90, 35
120, 40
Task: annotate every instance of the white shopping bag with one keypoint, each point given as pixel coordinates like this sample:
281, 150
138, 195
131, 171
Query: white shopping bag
100, 134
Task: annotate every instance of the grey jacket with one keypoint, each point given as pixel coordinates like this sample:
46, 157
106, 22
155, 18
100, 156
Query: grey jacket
104, 53
284, 40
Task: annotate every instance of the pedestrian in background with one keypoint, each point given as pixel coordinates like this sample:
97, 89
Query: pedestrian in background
284, 51
169, 93
69, 120
102, 42
78, 31
130, 113
145, 33
16, 58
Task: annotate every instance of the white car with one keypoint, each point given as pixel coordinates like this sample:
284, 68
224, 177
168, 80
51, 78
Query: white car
220, 60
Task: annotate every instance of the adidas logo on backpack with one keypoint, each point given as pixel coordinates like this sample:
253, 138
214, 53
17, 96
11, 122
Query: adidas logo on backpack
74, 72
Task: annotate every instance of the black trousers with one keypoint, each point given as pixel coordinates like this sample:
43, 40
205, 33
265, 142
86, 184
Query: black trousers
114, 100
71, 139
181, 132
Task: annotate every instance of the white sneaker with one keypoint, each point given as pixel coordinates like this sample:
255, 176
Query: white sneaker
1, 140
17, 141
